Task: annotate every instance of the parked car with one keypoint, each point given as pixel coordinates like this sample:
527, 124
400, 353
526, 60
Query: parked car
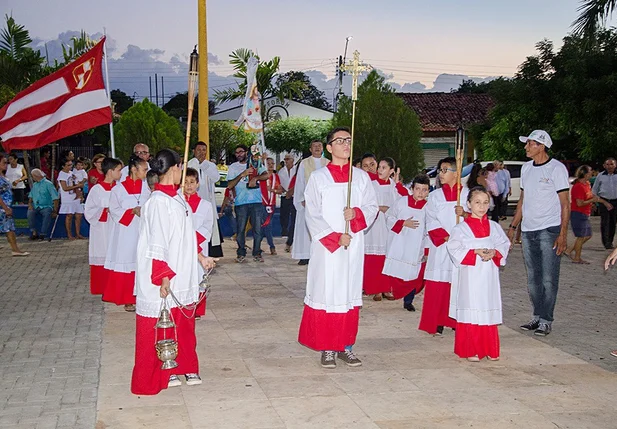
219, 188
514, 167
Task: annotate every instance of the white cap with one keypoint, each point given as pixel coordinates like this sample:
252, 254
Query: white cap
539, 136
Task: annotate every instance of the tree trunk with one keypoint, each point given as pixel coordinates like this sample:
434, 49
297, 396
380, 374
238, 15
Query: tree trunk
27, 165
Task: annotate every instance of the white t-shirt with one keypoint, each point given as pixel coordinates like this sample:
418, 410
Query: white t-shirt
69, 178
542, 183
80, 175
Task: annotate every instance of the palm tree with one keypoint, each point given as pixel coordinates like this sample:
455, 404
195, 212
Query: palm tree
267, 71
593, 15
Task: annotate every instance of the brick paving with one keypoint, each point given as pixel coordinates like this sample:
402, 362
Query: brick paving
50, 334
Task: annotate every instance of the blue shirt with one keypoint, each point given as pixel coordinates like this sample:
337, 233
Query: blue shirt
502, 178
43, 194
244, 195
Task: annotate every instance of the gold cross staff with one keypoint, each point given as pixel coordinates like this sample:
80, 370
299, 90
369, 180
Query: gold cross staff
355, 67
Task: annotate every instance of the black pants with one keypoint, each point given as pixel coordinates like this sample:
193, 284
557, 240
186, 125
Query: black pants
497, 209
608, 219
504, 207
288, 218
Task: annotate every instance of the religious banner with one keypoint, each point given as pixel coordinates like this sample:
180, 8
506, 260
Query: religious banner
250, 118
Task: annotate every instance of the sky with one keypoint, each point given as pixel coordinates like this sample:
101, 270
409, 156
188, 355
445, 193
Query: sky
420, 45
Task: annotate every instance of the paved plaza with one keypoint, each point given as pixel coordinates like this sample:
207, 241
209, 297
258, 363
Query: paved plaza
67, 357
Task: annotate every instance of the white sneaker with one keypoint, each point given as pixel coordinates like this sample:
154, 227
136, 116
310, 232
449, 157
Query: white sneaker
192, 379
174, 381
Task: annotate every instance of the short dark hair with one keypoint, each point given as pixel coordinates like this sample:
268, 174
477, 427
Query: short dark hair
242, 146
368, 155
421, 179
334, 131
447, 160
109, 163
191, 172
13, 155
390, 161
134, 160
200, 143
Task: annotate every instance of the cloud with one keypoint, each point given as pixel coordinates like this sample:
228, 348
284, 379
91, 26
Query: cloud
214, 60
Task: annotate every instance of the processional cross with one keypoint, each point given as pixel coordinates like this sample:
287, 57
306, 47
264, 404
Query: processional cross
355, 67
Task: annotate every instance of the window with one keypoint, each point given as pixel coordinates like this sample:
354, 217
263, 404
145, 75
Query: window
515, 170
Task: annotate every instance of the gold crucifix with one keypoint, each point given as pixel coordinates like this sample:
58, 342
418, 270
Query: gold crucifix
355, 67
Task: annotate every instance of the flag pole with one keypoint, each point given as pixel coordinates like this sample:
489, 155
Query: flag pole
111, 124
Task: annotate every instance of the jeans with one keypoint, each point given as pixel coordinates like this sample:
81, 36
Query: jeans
45, 213
608, 219
408, 299
288, 219
229, 214
267, 230
542, 265
254, 212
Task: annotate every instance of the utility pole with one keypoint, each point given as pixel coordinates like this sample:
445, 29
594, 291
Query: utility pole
150, 81
156, 88
162, 91
202, 109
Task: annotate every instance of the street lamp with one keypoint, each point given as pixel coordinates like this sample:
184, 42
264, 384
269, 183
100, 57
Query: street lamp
347, 39
341, 61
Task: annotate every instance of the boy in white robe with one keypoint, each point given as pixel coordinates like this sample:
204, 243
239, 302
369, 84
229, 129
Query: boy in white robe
203, 223
405, 254
125, 205
334, 280
441, 213
478, 247
96, 212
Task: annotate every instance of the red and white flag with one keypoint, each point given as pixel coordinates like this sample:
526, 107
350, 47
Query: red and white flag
67, 102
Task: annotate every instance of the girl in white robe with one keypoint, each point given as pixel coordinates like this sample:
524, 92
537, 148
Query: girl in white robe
405, 254
441, 214
376, 235
167, 262
203, 223
97, 214
334, 280
125, 205
478, 247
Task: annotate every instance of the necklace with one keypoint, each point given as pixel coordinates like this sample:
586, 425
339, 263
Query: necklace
182, 203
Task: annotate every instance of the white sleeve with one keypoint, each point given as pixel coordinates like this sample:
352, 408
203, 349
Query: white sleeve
206, 219
158, 221
560, 177
456, 244
317, 225
392, 214
94, 208
115, 205
369, 207
299, 187
502, 243
211, 171
432, 222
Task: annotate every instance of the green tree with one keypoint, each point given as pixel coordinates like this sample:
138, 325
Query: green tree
122, 100
593, 15
294, 134
178, 106
266, 79
149, 124
384, 125
309, 94
224, 138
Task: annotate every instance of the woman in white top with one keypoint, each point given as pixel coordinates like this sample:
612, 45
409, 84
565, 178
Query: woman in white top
69, 203
16, 174
125, 203
167, 261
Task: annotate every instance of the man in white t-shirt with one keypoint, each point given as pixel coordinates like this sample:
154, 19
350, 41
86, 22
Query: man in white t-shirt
544, 207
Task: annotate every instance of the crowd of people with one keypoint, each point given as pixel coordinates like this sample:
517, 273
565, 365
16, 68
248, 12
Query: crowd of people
152, 243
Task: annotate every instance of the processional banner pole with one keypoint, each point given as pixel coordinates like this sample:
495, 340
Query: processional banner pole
193, 74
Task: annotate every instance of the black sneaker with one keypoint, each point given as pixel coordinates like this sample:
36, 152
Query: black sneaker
328, 360
34, 237
439, 331
349, 358
303, 262
409, 307
531, 325
543, 330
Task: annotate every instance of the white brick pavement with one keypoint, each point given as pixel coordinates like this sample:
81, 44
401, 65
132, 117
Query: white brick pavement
50, 334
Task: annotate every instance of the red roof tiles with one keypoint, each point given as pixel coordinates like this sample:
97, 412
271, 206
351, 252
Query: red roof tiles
445, 111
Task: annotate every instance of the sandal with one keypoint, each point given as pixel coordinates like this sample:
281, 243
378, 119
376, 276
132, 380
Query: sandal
614, 353
580, 261
20, 253
388, 296
377, 297
129, 307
